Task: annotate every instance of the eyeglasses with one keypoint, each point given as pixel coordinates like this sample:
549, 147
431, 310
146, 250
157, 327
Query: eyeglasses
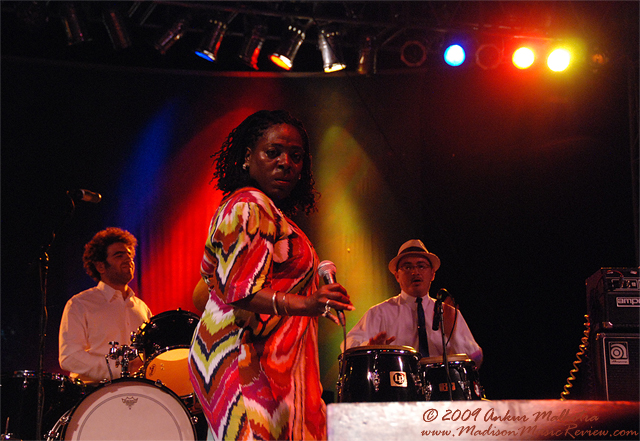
421, 267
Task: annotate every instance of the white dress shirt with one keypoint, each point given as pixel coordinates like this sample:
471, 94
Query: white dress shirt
398, 315
92, 319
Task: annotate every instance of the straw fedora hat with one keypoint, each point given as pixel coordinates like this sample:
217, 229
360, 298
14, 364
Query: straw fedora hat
414, 247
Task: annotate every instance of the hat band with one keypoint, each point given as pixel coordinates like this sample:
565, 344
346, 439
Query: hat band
412, 249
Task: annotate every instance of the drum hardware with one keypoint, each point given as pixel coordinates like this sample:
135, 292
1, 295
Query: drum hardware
20, 401
122, 355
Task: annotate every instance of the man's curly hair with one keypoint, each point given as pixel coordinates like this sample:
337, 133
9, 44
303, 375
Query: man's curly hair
229, 159
96, 249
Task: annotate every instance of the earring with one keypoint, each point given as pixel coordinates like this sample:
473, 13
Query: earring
245, 166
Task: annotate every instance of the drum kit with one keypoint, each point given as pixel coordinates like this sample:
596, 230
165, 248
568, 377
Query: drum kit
157, 402
383, 373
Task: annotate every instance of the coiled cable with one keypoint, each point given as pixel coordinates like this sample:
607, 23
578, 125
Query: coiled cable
582, 349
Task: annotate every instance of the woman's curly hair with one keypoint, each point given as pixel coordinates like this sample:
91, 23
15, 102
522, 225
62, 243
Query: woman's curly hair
96, 249
229, 159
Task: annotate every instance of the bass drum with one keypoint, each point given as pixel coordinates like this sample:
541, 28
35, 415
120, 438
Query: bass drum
164, 342
127, 409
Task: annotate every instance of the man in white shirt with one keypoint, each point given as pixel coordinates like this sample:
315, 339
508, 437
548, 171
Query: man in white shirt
395, 321
108, 312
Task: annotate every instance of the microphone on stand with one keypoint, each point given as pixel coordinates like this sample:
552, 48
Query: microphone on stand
85, 195
437, 308
327, 270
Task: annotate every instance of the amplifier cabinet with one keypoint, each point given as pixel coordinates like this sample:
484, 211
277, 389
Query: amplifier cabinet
613, 300
615, 360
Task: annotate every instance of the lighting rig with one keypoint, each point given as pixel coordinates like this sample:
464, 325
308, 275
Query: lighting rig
302, 36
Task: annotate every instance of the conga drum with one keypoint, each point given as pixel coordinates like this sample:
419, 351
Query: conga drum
379, 373
463, 379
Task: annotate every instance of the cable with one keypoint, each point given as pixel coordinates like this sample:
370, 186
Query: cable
583, 348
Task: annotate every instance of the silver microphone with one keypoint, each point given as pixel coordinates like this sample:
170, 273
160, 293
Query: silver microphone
327, 270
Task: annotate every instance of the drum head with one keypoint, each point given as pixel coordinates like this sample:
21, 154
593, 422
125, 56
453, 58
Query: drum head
451, 357
370, 348
172, 368
131, 409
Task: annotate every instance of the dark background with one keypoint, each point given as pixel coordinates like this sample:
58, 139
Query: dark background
524, 183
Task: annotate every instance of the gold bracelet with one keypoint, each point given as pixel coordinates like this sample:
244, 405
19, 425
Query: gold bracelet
284, 303
273, 302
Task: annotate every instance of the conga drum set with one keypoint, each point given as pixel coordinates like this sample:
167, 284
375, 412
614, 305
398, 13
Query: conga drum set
155, 403
384, 373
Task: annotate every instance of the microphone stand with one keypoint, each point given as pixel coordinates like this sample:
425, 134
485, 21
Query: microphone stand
445, 361
43, 264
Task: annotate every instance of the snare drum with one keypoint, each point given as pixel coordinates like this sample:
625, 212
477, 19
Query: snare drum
164, 341
378, 373
20, 401
465, 382
126, 409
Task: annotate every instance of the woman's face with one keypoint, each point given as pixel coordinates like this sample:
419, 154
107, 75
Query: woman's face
275, 162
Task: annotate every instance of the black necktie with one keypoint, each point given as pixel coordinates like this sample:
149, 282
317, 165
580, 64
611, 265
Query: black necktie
422, 331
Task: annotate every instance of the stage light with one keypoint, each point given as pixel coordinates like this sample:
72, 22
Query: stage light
413, 53
116, 28
523, 58
488, 56
208, 48
367, 56
252, 46
559, 60
286, 52
454, 55
598, 59
328, 43
74, 24
173, 34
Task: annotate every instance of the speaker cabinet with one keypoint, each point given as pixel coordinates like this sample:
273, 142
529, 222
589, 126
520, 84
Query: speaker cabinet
615, 360
613, 300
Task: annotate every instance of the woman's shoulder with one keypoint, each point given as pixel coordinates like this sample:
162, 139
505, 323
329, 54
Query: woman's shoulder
251, 196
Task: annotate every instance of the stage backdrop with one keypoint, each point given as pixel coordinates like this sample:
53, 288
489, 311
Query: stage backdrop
520, 182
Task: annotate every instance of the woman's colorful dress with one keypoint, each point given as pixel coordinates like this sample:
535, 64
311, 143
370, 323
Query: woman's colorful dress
257, 376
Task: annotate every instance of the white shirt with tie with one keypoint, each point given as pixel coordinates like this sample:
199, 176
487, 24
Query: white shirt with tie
398, 317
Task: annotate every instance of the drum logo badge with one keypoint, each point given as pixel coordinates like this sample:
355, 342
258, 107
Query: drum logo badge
398, 379
129, 401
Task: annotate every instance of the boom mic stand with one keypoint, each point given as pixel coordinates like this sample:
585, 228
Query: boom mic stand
43, 263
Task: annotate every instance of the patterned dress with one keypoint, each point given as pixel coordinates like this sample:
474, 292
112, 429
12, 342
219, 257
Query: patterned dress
257, 376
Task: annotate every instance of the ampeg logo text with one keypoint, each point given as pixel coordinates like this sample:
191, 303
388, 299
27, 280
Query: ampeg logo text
618, 352
628, 302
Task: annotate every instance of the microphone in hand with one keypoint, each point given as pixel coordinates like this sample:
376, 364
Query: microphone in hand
327, 270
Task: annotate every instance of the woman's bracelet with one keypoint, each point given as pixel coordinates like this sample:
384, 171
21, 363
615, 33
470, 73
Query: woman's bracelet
273, 302
285, 300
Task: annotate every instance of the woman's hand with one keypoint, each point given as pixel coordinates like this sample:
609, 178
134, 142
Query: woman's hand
327, 297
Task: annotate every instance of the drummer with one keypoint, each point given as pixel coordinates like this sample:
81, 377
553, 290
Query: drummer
395, 321
108, 312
